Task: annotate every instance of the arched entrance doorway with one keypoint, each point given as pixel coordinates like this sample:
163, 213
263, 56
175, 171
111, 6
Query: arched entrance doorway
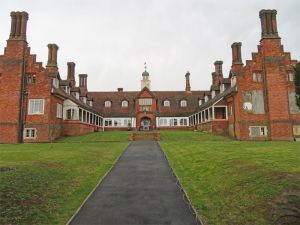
146, 123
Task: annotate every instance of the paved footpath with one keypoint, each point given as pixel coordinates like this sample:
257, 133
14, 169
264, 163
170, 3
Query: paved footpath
139, 190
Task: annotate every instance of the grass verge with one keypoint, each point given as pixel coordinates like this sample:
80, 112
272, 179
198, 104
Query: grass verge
188, 136
239, 182
109, 136
46, 183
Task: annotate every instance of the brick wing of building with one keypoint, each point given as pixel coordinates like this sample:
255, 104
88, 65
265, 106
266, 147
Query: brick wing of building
256, 101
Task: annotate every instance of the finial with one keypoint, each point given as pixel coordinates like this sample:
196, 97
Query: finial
145, 66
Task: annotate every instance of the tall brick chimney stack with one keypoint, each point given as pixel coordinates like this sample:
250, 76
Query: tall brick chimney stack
52, 55
218, 74
187, 82
71, 73
218, 67
18, 25
83, 80
236, 53
268, 23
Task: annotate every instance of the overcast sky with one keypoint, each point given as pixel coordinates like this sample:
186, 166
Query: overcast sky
111, 39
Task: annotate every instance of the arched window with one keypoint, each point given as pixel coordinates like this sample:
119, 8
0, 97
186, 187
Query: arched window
183, 103
166, 103
124, 103
107, 104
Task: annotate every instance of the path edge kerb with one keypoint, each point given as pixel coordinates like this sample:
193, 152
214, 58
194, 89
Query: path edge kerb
198, 218
97, 185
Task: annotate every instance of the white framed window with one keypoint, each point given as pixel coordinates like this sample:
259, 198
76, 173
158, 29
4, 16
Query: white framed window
183, 122
55, 83
59, 110
127, 122
173, 122
290, 76
30, 133
117, 122
222, 88
166, 103
70, 114
183, 103
124, 103
200, 102
36, 106
258, 131
66, 89
83, 99
107, 104
257, 77
108, 123
213, 94
163, 122
206, 98
233, 81
145, 101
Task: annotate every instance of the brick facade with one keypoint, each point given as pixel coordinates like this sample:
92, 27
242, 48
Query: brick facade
254, 103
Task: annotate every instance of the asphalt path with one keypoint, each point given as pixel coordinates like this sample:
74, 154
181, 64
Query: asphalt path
139, 190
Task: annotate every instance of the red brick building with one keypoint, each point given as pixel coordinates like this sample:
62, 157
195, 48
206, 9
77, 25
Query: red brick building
256, 101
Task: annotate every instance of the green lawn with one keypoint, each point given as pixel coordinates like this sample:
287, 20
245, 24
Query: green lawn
99, 137
46, 183
237, 182
187, 136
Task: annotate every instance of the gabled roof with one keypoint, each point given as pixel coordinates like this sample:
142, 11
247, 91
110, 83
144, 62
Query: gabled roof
145, 89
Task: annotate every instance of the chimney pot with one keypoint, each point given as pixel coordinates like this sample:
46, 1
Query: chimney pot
52, 55
83, 80
218, 67
120, 89
268, 23
187, 82
236, 53
18, 25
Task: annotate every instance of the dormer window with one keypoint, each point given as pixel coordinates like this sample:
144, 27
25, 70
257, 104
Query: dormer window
183, 103
55, 82
66, 89
91, 103
83, 99
107, 104
222, 88
124, 103
233, 81
200, 102
206, 98
213, 94
76, 94
166, 103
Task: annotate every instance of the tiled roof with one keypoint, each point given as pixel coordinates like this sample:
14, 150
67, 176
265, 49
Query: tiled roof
116, 109
60, 92
216, 98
